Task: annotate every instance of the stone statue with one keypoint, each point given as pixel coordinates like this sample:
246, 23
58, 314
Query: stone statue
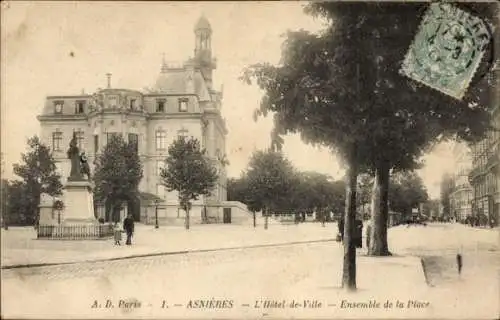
84, 165
79, 163
74, 155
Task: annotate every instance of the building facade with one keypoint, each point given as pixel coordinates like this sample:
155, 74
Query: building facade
485, 173
182, 102
461, 195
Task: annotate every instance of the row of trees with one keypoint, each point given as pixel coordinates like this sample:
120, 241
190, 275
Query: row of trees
342, 89
118, 172
272, 185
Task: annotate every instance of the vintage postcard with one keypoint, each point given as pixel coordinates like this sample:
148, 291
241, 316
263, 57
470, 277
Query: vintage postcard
250, 160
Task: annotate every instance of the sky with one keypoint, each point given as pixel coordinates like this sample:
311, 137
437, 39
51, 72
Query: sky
128, 39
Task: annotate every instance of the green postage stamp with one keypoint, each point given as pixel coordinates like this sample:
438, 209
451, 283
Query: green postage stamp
447, 49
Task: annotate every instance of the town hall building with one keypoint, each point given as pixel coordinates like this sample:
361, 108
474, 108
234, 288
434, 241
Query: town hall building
182, 102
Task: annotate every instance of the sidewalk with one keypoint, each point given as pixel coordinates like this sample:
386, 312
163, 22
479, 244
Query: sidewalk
20, 246
441, 239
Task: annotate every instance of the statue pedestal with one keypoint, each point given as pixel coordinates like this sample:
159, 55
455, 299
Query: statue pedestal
79, 203
78, 221
46, 210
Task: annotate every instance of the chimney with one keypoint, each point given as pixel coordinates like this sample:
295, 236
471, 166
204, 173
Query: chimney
109, 79
164, 65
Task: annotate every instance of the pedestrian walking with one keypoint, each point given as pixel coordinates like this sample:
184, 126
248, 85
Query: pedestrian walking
117, 235
459, 263
128, 226
368, 233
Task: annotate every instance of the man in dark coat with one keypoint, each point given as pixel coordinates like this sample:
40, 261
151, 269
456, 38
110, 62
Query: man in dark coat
358, 233
128, 226
341, 227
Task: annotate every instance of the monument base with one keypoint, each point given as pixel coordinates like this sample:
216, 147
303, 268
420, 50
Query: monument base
78, 203
78, 221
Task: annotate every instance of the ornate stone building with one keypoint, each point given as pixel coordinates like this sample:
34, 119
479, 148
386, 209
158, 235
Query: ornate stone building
462, 193
485, 174
182, 102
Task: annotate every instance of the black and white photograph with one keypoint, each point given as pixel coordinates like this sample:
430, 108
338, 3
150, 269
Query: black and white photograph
250, 160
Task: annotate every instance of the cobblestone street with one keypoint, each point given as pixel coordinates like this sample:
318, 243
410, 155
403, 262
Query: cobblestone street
169, 263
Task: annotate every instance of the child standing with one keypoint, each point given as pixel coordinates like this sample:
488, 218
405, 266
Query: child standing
118, 235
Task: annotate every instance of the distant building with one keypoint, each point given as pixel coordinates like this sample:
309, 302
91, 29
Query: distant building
182, 102
461, 195
485, 173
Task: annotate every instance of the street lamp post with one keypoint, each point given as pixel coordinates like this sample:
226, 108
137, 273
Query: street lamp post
156, 215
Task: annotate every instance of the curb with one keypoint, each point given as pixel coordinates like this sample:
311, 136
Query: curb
144, 255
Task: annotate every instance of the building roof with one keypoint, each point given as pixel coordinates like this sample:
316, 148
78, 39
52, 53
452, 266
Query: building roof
176, 81
202, 23
171, 81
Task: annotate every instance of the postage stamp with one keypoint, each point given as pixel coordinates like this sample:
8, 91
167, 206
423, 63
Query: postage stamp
447, 49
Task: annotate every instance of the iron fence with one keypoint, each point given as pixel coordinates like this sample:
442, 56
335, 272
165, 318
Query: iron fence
75, 232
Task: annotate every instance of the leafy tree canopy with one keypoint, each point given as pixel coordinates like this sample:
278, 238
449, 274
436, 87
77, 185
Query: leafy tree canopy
302, 192
38, 173
343, 87
118, 172
38, 169
407, 192
270, 180
365, 185
188, 170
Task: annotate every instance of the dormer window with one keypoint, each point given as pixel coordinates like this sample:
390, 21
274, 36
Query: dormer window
112, 101
160, 105
58, 106
79, 107
183, 105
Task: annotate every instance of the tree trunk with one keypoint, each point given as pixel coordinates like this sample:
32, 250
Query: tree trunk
379, 213
116, 212
187, 219
349, 268
254, 219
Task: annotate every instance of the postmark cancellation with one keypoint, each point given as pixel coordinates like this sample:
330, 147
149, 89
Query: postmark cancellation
447, 49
